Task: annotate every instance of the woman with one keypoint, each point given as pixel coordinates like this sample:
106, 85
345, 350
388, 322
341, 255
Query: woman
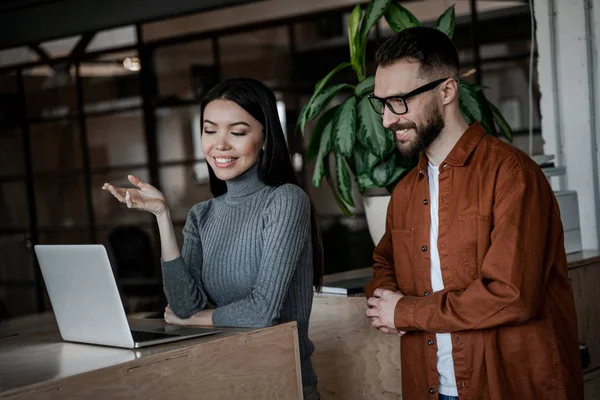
255, 249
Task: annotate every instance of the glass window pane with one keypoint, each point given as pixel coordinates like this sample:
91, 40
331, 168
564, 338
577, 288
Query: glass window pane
179, 134
17, 300
60, 47
11, 152
113, 38
16, 261
107, 209
182, 190
65, 236
10, 102
185, 71
306, 34
61, 202
17, 277
134, 251
16, 55
56, 147
13, 205
111, 82
260, 54
116, 139
50, 91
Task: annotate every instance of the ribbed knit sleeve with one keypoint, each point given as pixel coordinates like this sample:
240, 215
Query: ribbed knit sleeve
182, 277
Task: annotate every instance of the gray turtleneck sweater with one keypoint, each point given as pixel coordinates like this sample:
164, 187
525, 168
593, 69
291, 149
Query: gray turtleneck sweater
249, 251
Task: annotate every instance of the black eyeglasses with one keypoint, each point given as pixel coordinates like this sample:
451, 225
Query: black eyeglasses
397, 104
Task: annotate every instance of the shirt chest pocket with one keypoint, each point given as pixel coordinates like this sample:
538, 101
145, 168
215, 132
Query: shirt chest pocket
404, 265
475, 232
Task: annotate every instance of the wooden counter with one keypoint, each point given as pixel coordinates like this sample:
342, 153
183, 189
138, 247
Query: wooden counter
235, 364
354, 361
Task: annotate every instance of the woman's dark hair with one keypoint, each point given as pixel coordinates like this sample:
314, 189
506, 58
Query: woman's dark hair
274, 164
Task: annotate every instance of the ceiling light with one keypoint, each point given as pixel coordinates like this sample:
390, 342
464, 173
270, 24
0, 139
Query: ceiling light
132, 64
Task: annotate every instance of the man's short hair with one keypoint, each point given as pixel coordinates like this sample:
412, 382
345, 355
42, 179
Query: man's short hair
431, 48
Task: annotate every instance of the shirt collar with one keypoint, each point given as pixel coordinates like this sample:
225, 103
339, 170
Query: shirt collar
461, 151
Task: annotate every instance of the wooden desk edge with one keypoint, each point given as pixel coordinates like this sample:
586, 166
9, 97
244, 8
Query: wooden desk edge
179, 349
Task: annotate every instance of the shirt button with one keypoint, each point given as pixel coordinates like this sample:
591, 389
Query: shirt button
445, 166
443, 245
424, 248
426, 293
430, 342
432, 390
425, 201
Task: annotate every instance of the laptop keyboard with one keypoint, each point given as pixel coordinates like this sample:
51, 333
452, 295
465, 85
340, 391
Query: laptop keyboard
141, 336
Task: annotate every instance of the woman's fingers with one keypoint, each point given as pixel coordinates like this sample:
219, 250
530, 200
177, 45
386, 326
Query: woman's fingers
128, 200
136, 181
119, 194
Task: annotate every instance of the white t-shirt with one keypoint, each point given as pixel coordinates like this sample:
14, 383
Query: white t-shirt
445, 363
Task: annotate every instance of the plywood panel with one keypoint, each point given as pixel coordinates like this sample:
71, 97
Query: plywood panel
352, 359
261, 364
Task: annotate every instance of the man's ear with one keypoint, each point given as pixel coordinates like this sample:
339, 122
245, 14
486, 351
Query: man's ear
449, 91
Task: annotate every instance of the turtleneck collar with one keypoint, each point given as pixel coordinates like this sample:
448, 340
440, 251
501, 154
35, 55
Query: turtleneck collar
245, 184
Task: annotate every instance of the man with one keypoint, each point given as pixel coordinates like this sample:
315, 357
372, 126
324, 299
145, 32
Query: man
471, 271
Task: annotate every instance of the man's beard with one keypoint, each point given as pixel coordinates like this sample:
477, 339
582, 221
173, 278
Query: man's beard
424, 135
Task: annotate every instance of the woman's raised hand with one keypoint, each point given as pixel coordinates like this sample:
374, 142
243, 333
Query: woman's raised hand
145, 198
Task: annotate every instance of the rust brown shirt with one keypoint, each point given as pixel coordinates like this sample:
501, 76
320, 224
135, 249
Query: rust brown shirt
507, 300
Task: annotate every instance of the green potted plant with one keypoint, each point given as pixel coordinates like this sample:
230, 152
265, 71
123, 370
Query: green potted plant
351, 135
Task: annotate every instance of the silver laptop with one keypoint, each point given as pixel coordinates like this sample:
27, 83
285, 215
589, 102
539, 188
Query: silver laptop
86, 301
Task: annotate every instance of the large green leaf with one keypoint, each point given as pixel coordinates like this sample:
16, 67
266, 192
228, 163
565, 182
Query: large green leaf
301, 122
400, 18
374, 12
395, 176
384, 170
487, 120
305, 113
465, 112
371, 133
344, 182
365, 182
321, 84
324, 149
314, 145
344, 127
343, 207
474, 104
445, 22
366, 86
321, 101
364, 160
354, 39
478, 88
469, 100
502, 124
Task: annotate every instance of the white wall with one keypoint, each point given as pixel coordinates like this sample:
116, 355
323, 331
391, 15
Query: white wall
569, 104
595, 48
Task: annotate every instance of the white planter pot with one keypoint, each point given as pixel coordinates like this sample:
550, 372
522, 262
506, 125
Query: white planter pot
376, 211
